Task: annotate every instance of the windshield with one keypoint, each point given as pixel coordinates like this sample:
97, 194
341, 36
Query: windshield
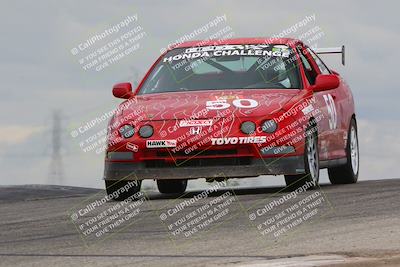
224, 67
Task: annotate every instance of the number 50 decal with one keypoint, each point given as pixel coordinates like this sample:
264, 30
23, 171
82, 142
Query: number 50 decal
330, 103
223, 104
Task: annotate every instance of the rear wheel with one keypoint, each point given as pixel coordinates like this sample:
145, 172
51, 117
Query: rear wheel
311, 162
348, 173
121, 190
172, 186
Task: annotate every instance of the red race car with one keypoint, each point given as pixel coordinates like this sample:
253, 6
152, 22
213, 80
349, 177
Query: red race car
233, 108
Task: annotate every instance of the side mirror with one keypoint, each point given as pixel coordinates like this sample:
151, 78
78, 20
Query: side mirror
122, 90
326, 82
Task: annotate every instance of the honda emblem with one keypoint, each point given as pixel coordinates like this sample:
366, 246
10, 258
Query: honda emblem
195, 130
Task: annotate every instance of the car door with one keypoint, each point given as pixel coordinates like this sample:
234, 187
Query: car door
325, 102
335, 103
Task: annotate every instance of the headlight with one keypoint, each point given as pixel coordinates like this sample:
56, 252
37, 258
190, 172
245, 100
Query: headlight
146, 131
248, 127
127, 131
269, 126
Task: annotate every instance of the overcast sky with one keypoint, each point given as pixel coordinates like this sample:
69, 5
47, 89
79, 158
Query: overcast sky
39, 74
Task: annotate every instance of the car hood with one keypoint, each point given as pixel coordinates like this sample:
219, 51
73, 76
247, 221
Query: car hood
173, 106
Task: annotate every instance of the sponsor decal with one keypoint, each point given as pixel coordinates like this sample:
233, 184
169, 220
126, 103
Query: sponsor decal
239, 140
132, 147
160, 143
280, 48
231, 50
191, 123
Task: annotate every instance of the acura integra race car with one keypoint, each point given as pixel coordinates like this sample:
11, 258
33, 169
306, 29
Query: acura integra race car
233, 108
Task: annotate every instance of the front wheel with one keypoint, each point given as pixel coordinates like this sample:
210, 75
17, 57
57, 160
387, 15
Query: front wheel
311, 162
172, 186
348, 173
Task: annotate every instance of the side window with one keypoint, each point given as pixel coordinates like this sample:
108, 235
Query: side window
308, 69
322, 67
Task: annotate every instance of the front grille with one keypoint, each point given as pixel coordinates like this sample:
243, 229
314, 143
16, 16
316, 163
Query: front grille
195, 162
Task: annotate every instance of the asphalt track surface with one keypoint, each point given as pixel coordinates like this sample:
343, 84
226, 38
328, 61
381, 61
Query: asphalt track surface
353, 225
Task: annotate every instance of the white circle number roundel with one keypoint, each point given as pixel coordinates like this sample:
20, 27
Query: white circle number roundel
223, 104
330, 104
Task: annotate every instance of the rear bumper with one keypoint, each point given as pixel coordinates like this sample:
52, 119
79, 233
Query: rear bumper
255, 167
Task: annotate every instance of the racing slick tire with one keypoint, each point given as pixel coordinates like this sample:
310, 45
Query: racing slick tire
172, 186
311, 162
112, 188
348, 173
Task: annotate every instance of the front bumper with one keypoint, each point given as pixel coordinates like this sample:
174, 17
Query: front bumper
251, 168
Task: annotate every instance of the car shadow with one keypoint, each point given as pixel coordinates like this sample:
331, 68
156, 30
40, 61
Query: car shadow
237, 191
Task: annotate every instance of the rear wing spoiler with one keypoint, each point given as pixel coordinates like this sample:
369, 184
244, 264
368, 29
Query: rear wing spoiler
332, 50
